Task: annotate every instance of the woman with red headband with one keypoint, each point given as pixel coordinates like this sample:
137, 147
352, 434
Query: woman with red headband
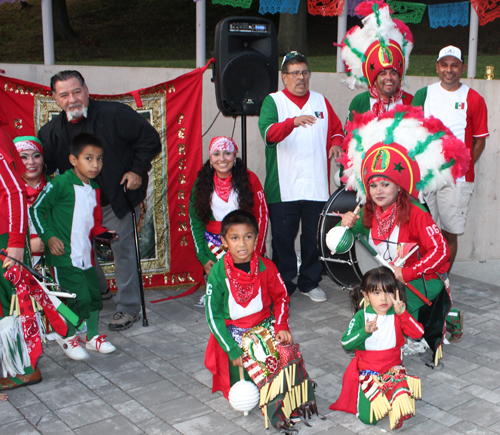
15, 369
223, 185
31, 151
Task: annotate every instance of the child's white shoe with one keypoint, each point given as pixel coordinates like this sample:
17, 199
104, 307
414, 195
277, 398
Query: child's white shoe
100, 344
71, 347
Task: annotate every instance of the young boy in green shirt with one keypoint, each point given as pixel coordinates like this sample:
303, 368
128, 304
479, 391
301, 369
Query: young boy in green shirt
247, 312
67, 215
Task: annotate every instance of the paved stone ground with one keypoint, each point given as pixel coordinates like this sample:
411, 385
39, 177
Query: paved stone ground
156, 382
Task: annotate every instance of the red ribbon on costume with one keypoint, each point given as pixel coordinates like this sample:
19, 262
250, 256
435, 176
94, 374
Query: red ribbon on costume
26, 286
377, 360
31, 332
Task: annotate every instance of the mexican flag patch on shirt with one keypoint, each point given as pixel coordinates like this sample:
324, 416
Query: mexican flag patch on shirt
319, 115
460, 106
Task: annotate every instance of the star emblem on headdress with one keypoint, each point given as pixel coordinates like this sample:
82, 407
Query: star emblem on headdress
400, 64
398, 167
372, 66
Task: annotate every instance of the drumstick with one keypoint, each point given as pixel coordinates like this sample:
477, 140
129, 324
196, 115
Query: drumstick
356, 211
341, 215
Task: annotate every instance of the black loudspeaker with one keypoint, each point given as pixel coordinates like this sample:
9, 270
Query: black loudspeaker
246, 64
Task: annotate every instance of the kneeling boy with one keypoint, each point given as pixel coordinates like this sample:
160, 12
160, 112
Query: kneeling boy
247, 312
67, 215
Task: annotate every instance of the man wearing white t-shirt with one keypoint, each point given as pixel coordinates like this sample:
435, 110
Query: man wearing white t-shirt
464, 112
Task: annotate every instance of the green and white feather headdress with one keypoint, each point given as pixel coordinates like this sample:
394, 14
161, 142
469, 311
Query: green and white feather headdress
420, 154
382, 42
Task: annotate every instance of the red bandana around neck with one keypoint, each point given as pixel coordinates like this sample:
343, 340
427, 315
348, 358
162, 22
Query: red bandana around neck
386, 221
381, 105
33, 192
244, 286
223, 186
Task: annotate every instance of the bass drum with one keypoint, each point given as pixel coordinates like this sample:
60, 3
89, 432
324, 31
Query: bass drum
346, 269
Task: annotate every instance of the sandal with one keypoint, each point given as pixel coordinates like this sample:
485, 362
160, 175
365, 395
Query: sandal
20, 380
455, 326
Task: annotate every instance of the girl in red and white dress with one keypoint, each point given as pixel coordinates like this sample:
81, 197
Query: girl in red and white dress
376, 383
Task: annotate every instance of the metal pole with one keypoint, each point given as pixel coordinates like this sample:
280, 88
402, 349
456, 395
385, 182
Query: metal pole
48, 33
341, 31
244, 139
473, 33
201, 38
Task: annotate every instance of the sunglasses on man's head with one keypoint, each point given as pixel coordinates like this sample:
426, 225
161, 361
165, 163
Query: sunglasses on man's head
291, 55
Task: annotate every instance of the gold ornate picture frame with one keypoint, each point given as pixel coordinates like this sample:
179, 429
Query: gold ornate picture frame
153, 225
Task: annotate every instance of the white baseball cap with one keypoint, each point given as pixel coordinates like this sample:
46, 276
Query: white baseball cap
450, 51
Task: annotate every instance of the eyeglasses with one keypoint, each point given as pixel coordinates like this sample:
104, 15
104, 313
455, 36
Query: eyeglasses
296, 74
291, 55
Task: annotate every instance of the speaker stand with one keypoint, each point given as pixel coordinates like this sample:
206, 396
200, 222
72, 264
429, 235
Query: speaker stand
244, 140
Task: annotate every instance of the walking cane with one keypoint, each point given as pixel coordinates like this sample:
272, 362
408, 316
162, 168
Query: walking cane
137, 255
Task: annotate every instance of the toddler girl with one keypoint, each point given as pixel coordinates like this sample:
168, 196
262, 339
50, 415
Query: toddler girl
376, 333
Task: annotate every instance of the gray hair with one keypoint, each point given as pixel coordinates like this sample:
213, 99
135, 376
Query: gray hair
62, 76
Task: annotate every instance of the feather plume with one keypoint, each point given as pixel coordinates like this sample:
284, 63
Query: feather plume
441, 157
377, 26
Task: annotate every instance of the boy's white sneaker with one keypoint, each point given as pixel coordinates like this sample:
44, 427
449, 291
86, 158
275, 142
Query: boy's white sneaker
100, 344
72, 349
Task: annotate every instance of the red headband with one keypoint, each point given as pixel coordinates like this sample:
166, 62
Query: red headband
222, 143
24, 143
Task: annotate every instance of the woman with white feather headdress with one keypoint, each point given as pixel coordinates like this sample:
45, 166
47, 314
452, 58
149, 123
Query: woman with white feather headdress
392, 161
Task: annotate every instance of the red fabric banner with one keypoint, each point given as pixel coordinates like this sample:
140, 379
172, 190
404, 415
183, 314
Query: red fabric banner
487, 10
174, 109
326, 8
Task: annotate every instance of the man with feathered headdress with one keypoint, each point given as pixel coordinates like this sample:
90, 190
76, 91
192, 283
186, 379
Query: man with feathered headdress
377, 57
